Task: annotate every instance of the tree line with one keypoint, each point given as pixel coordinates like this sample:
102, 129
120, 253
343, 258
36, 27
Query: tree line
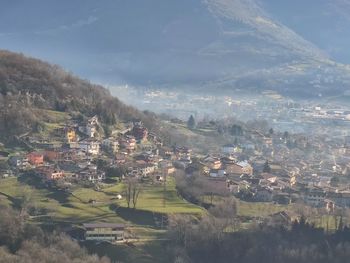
23, 242
219, 237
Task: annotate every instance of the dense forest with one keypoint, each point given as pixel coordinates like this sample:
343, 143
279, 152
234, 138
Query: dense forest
28, 85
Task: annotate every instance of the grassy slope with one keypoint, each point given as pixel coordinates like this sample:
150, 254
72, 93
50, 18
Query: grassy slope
152, 199
76, 209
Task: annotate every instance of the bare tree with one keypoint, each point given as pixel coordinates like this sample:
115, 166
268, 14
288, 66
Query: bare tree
180, 228
136, 190
225, 213
128, 191
132, 192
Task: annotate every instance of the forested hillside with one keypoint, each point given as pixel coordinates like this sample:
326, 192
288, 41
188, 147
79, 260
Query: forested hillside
29, 85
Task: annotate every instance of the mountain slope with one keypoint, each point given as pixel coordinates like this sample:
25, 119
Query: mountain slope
323, 22
29, 87
245, 44
250, 14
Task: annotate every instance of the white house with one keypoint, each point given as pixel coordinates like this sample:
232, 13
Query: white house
92, 174
230, 149
315, 198
217, 173
90, 147
90, 129
111, 144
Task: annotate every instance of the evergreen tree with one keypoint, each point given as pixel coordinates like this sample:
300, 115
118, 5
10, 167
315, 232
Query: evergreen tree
191, 123
267, 168
236, 130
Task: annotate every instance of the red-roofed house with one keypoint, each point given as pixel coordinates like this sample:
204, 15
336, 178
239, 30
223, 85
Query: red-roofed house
35, 158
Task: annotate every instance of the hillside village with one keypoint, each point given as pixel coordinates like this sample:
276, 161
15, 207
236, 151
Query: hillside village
211, 131
258, 167
72, 155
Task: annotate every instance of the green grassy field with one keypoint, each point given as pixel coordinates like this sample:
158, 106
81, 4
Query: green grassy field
153, 198
259, 209
251, 209
75, 207
144, 223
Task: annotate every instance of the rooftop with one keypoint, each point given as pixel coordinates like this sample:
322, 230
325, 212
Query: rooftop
103, 225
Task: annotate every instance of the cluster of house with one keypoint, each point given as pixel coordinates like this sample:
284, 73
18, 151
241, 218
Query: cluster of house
293, 173
296, 164
134, 148
238, 168
182, 156
319, 197
227, 174
57, 164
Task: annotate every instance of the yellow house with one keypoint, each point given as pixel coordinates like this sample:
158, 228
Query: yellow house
71, 135
292, 180
239, 168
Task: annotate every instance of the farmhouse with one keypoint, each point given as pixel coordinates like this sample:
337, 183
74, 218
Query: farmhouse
104, 232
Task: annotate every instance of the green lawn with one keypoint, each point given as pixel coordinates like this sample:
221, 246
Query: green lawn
144, 223
251, 209
75, 207
153, 198
258, 209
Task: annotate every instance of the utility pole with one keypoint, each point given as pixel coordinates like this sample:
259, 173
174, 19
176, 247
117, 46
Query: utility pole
164, 173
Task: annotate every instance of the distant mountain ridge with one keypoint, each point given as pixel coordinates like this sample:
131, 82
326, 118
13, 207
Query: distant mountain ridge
196, 44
